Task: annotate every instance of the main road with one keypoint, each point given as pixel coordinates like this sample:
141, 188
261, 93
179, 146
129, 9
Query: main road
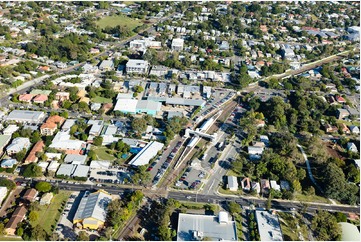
207, 198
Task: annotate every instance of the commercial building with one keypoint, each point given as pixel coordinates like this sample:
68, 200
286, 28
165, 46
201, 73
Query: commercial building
146, 154
9, 130
126, 106
71, 170
268, 226
17, 145
198, 227
75, 159
92, 210
26, 116
148, 107
137, 66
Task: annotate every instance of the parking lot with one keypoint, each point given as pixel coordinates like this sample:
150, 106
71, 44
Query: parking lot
65, 225
114, 176
191, 178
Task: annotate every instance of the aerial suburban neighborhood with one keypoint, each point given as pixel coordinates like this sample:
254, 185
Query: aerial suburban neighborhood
180, 120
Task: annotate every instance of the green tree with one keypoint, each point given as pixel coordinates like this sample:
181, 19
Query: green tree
325, 227
43, 186
234, 208
38, 233
33, 216
141, 176
32, 170
10, 185
20, 231
139, 125
98, 140
83, 236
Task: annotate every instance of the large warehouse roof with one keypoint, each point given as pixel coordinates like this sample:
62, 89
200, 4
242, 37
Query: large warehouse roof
126, 105
93, 205
349, 232
26, 116
146, 154
268, 226
197, 227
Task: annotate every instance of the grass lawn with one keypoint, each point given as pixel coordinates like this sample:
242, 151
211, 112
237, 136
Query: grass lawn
6, 238
232, 173
112, 21
102, 153
228, 192
49, 214
98, 99
348, 123
308, 198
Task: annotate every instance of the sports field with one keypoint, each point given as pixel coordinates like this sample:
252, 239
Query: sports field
112, 21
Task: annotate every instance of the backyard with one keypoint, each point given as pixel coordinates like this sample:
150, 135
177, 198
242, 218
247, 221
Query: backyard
49, 214
98, 99
102, 153
112, 21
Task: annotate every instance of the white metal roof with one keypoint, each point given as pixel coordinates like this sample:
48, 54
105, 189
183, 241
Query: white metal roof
126, 105
268, 226
146, 154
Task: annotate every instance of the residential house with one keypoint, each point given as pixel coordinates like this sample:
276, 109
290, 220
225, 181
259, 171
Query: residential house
344, 128
26, 98
41, 99
17, 217
342, 113
17, 145
246, 184
46, 198
30, 195
51, 124
177, 44
62, 96
255, 152
137, 66
275, 186
330, 129
256, 187
354, 129
352, 147
232, 183
340, 99
9, 130
8, 163
106, 65
265, 186
38, 147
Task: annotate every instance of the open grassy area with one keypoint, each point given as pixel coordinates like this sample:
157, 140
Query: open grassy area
98, 99
309, 198
102, 153
112, 21
228, 192
232, 173
7, 238
49, 214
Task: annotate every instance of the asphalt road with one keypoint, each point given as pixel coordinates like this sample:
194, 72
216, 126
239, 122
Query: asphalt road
210, 198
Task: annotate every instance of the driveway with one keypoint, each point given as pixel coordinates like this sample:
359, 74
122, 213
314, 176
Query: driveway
10, 199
